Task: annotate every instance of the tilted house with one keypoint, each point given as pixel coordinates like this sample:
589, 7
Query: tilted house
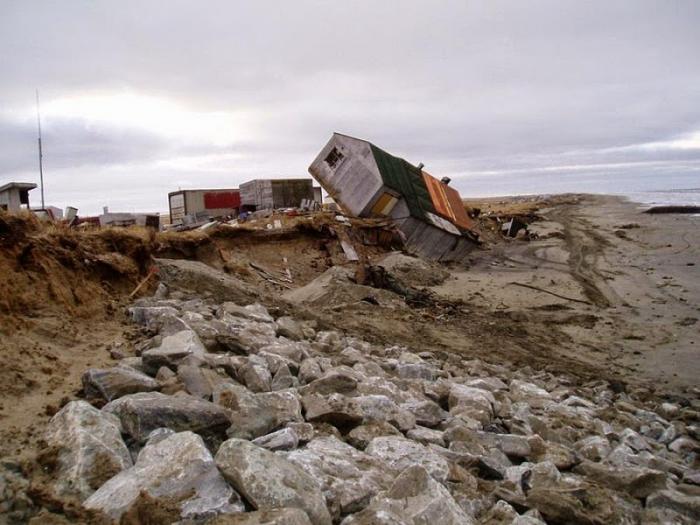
366, 181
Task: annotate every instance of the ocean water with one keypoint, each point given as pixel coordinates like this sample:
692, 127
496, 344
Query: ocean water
648, 189
671, 197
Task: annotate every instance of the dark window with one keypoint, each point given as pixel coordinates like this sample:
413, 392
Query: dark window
334, 157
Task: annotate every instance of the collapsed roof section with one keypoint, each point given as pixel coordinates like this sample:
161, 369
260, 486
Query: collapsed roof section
366, 181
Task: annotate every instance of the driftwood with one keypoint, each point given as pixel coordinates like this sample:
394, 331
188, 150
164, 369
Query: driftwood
550, 293
151, 273
287, 272
263, 273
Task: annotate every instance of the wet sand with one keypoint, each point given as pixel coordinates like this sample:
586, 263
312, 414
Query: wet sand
622, 284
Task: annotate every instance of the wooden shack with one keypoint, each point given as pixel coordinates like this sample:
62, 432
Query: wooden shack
203, 204
366, 181
14, 195
271, 194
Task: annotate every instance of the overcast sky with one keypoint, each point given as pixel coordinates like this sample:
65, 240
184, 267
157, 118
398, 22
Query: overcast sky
140, 98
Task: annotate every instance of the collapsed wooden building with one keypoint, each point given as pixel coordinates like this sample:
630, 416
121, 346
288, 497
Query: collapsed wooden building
366, 181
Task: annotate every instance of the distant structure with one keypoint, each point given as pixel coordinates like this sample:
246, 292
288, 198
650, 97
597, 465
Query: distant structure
14, 195
318, 195
366, 181
270, 194
123, 219
202, 205
52, 213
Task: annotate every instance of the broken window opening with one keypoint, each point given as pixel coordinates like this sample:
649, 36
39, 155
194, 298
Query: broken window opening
334, 157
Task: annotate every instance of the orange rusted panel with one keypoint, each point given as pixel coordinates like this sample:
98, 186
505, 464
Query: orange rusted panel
447, 202
457, 205
438, 196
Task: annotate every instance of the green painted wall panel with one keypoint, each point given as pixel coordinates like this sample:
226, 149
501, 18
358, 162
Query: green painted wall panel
406, 179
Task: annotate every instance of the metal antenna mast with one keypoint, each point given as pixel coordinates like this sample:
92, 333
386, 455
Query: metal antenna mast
41, 167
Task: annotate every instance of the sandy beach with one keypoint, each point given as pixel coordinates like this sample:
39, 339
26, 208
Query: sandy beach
632, 278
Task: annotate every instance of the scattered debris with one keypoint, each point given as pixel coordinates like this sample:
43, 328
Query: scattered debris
512, 227
530, 286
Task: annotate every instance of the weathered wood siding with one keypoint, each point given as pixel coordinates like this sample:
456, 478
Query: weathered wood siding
352, 179
268, 194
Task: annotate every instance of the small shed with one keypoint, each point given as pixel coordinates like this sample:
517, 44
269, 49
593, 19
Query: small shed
123, 219
14, 195
270, 194
366, 181
204, 204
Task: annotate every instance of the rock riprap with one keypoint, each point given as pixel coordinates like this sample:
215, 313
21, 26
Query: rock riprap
176, 469
237, 415
268, 481
88, 449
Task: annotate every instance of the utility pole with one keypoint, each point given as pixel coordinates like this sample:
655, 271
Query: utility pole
41, 167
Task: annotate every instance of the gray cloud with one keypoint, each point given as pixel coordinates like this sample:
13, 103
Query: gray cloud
74, 143
498, 89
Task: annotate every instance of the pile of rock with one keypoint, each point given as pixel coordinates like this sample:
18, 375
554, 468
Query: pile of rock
231, 416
